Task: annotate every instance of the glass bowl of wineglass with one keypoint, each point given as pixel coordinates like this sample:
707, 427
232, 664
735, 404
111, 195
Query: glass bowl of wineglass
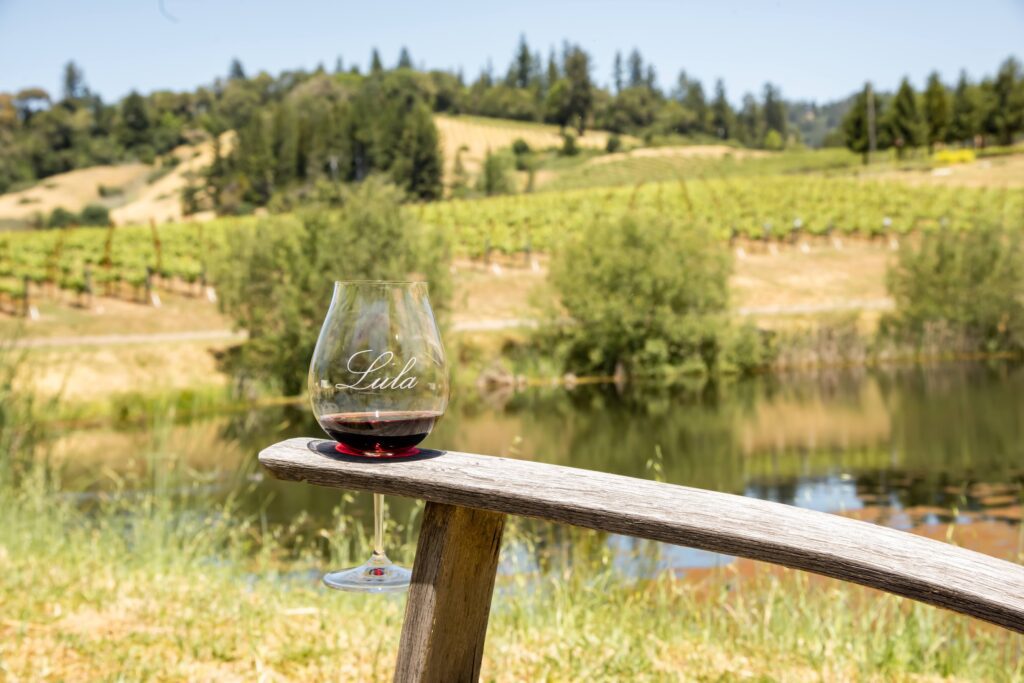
378, 382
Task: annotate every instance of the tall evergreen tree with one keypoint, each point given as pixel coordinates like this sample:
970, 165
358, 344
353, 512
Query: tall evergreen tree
636, 69
553, 74
964, 121
617, 72
404, 59
774, 110
376, 66
856, 126
235, 71
339, 66
134, 128
1008, 89
751, 122
520, 73
651, 78
417, 164
73, 83
694, 99
581, 89
936, 111
723, 119
904, 120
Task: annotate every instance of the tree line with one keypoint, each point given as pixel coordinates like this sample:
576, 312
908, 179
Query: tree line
970, 114
301, 127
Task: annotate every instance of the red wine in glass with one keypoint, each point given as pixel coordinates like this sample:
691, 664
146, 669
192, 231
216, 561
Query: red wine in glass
394, 433
378, 382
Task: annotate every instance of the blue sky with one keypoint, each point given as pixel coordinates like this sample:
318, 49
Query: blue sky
814, 50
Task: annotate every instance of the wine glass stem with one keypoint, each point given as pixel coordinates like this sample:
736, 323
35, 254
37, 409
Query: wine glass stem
378, 524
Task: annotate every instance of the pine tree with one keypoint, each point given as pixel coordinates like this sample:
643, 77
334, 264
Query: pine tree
964, 121
553, 74
651, 78
417, 162
936, 111
1008, 90
74, 82
694, 100
636, 69
904, 120
581, 89
723, 120
520, 73
856, 126
404, 59
617, 72
376, 66
751, 122
339, 66
135, 124
235, 71
774, 110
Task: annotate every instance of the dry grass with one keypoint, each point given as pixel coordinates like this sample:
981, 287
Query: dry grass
161, 201
89, 373
480, 135
1005, 171
680, 152
71, 190
140, 202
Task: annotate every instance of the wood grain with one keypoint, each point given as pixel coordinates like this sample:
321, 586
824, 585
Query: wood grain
450, 596
898, 562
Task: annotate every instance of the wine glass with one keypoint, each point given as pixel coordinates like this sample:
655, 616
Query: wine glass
377, 383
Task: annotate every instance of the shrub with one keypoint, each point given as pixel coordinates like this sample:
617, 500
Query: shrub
773, 140
971, 283
109, 190
614, 144
61, 218
278, 283
569, 147
520, 147
95, 214
651, 293
496, 175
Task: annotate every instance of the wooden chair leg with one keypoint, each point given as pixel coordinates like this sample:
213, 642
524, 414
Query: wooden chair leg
450, 596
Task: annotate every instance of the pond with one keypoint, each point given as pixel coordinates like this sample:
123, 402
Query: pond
936, 450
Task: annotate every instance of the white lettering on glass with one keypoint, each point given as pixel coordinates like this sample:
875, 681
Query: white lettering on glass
372, 378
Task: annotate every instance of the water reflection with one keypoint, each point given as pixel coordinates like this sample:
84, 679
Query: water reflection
918, 449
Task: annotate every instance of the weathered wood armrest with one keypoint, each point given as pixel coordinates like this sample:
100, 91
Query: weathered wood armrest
895, 561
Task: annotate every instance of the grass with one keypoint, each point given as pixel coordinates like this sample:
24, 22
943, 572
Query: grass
147, 591
155, 581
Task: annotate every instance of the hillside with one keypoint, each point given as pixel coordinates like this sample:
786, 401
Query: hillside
137, 193
480, 134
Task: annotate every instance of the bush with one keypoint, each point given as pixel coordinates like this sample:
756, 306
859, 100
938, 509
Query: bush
109, 190
278, 283
61, 218
569, 147
773, 141
614, 144
520, 147
95, 214
496, 175
970, 283
651, 293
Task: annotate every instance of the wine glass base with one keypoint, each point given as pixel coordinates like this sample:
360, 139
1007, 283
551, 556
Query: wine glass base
400, 453
378, 575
